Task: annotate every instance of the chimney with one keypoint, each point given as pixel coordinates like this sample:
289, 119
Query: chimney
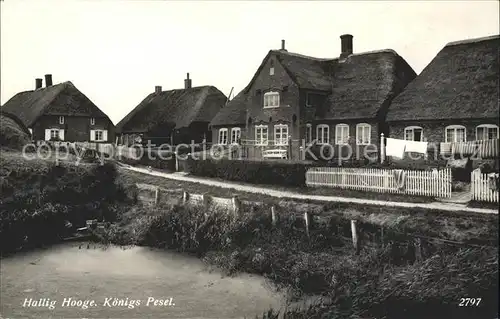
48, 80
157, 89
38, 84
187, 82
346, 45
283, 45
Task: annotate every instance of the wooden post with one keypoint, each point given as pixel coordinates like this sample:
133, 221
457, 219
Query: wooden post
205, 200
236, 205
418, 249
176, 162
382, 235
185, 197
306, 219
156, 195
274, 217
354, 233
382, 148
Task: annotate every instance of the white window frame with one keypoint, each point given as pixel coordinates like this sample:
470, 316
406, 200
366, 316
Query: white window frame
102, 135
412, 130
271, 70
319, 137
61, 119
261, 140
235, 135
308, 135
486, 127
454, 128
222, 138
363, 127
56, 135
282, 130
92, 121
341, 136
271, 99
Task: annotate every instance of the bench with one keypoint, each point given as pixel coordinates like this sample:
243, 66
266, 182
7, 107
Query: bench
277, 153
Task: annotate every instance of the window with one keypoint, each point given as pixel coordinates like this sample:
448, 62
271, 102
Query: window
261, 135
223, 136
308, 134
31, 131
54, 134
341, 134
455, 134
323, 133
61, 119
235, 135
92, 121
363, 134
271, 99
271, 71
98, 135
309, 100
281, 134
414, 133
486, 132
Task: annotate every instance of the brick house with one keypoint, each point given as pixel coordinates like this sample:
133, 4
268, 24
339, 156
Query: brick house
295, 100
454, 99
60, 112
172, 117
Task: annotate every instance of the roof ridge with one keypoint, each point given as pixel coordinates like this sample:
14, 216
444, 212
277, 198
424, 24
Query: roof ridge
473, 40
336, 58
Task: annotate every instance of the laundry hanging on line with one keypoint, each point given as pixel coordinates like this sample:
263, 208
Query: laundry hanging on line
416, 147
395, 147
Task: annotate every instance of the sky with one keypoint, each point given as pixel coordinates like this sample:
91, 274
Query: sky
117, 51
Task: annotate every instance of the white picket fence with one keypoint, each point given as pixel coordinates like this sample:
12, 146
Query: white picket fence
480, 188
425, 183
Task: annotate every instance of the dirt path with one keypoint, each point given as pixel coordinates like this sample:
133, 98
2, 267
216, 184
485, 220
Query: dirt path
292, 195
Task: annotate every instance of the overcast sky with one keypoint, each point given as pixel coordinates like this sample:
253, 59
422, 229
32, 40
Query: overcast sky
115, 51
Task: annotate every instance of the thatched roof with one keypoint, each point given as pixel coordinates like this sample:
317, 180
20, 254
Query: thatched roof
13, 132
359, 86
178, 108
59, 99
461, 82
233, 113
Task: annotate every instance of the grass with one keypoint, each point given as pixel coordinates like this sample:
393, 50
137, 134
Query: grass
380, 282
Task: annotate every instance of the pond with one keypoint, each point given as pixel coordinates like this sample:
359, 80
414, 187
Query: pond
85, 280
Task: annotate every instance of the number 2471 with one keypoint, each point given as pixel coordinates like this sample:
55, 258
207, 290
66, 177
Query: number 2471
466, 302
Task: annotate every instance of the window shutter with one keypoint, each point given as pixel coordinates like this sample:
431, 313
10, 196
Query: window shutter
105, 135
61, 135
47, 134
92, 135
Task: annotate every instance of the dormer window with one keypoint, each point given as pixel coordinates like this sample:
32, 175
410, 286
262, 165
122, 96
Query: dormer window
61, 119
271, 99
271, 71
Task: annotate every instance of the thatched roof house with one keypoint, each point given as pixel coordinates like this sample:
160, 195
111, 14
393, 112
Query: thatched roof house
60, 106
457, 92
163, 112
351, 89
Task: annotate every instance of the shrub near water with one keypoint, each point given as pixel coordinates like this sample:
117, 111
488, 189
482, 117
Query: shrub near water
37, 204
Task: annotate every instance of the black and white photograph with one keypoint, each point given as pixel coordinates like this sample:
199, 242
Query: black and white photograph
234, 159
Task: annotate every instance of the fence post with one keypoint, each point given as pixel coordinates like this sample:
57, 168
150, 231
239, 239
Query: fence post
354, 233
236, 205
306, 219
382, 235
185, 197
382, 148
156, 195
418, 249
176, 162
205, 200
273, 216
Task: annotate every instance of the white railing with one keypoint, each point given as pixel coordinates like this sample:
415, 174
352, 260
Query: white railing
435, 183
482, 189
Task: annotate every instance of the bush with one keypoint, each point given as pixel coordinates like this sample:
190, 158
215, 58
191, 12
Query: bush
36, 204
